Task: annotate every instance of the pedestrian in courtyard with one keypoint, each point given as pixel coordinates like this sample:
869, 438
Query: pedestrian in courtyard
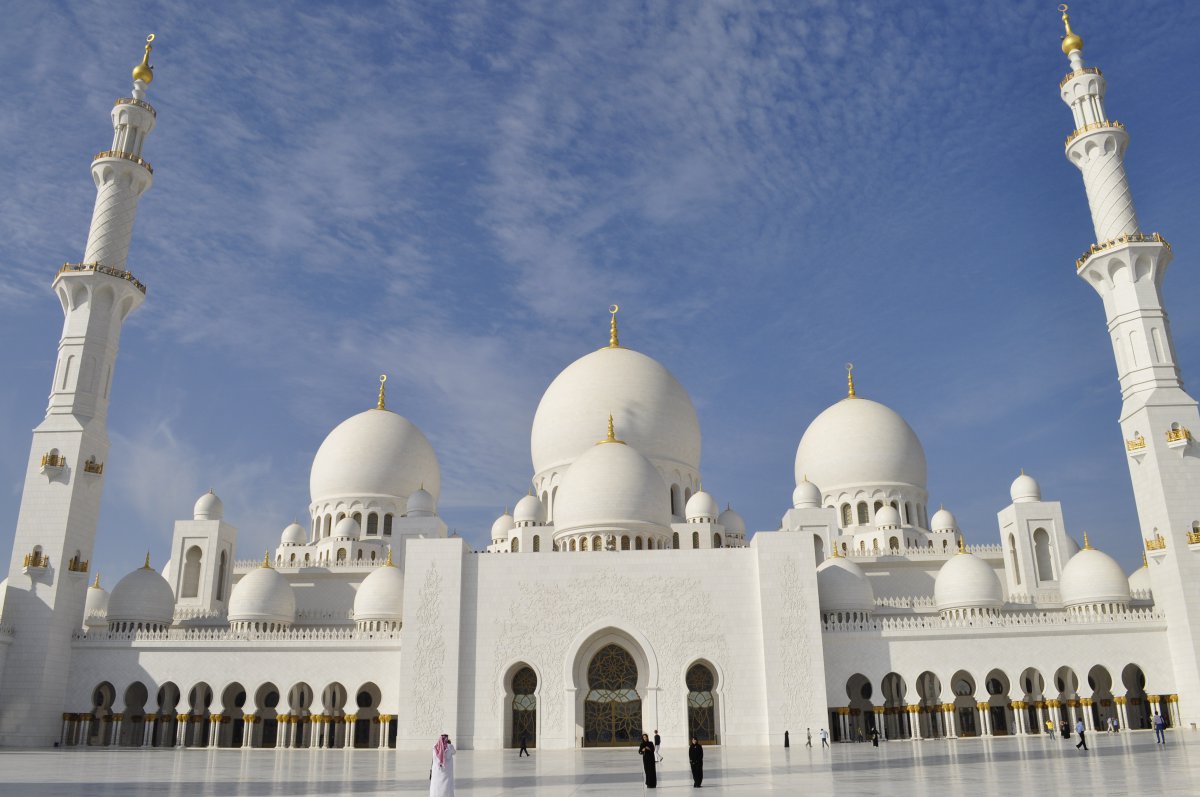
824, 734
696, 758
808, 743
874, 737
657, 744
859, 731
441, 773
1160, 726
1079, 730
524, 741
646, 751
1050, 728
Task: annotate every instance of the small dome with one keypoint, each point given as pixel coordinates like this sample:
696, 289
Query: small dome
858, 442
806, 495
1025, 489
262, 596
95, 606
502, 526
346, 527
1092, 576
887, 517
732, 521
381, 595
842, 586
943, 520
421, 504
530, 511
967, 582
701, 507
143, 596
1139, 580
374, 453
208, 507
294, 534
612, 485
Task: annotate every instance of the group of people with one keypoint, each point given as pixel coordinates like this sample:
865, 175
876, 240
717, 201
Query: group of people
650, 751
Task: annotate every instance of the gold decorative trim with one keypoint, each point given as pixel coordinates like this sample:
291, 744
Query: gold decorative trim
1182, 434
1087, 70
139, 103
1136, 443
1158, 543
1107, 124
77, 268
1127, 238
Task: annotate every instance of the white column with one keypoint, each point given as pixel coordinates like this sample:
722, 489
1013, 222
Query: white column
181, 730
214, 730
148, 730
117, 721
914, 723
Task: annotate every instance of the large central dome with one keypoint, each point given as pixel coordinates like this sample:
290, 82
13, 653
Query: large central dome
858, 443
374, 453
648, 405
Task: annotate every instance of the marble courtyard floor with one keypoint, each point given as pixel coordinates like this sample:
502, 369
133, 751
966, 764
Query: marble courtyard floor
1124, 764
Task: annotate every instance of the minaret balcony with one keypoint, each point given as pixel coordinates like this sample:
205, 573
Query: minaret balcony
77, 565
1136, 447
97, 268
1193, 537
92, 466
1108, 124
36, 561
1127, 238
148, 107
1178, 437
1157, 543
53, 462
1087, 70
129, 156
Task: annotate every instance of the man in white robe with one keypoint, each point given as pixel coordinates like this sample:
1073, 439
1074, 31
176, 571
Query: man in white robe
441, 772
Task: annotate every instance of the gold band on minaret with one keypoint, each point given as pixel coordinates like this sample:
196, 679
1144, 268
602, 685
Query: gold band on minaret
143, 71
613, 341
850, 380
1071, 41
382, 383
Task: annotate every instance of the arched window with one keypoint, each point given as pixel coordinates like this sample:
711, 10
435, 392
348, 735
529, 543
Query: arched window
306, 559
878, 506
1041, 555
358, 519
1012, 553
716, 540
524, 709
328, 525
612, 708
625, 542
292, 559
358, 556
537, 543
675, 540
372, 524
572, 545
676, 501
908, 515
387, 525
583, 543
515, 545
341, 554
864, 513
638, 543
701, 705
695, 539
190, 587
222, 575
847, 515
597, 543
894, 544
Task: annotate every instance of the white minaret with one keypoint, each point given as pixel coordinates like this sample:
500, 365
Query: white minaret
1126, 267
60, 505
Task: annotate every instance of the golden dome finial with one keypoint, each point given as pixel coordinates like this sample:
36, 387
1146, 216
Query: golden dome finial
96, 583
962, 545
382, 390
1071, 41
836, 553
147, 565
612, 432
266, 559
850, 380
613, 341
1087, 546
388, 563
1144, 562
143, 71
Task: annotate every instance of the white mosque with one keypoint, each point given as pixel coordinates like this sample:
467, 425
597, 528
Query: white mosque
372, 627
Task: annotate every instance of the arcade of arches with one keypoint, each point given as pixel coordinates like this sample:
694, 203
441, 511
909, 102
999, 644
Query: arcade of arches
997, 705
202, 717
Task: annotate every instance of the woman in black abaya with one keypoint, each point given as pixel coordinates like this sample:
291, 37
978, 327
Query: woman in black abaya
646, 750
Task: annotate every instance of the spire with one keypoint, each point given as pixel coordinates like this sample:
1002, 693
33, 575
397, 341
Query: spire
613, 341
1144, 562
96, 583
143, 71
962, 545
147, 565
266, 559
850, 380
388, 563
612, 433
1071, 41
836, 553
382, 389
1087, 546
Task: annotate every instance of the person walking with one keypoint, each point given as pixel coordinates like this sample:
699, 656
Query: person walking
696, 759
824, 734
1160, 727
441, 773
657, 744
874, 737
1050, 728
524, 748
1079, 729
646, 751
808, 742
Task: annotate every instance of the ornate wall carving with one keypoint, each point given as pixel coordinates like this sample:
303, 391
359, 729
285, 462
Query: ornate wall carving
429, 654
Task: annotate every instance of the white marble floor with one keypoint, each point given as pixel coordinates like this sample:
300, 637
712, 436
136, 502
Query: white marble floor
1124, 764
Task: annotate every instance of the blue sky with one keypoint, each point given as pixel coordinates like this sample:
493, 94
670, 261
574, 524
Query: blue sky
453, 193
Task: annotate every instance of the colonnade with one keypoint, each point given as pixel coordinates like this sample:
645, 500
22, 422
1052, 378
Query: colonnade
313, 731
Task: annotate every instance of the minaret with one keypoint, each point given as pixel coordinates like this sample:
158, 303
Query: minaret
64, 478
1126, 267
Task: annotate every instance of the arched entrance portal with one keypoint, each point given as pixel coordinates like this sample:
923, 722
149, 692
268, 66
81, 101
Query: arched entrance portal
701, 704
524, 708
612, 710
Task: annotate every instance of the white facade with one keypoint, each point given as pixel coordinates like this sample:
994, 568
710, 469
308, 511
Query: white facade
617, 597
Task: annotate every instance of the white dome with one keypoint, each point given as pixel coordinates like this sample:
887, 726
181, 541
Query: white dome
1092, 576
421, 504
143, 596
652, 411
732, 521
967, 582
806, 495
842, 586
612, 484
95, 606
530, 510
294, 534
1139, 580
208, 507
347, 527
374, 453
502, 525
701, 506
263, 596
943, 520
859, 442
381, 595
887, 517
1024, 489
